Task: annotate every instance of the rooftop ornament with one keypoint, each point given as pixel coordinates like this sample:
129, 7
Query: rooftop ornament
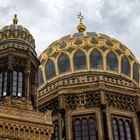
81, 27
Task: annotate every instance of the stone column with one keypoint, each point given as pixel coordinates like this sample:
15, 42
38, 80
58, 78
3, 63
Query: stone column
27, 80
62, 112
103, 109
9, 75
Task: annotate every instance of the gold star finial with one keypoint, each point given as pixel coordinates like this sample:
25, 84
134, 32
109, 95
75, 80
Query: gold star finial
80, 17
81, 27
15, 20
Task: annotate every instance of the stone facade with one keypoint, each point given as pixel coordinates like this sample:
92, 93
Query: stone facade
104, 97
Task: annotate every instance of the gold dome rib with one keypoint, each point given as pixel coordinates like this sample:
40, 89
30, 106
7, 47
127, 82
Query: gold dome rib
101, 45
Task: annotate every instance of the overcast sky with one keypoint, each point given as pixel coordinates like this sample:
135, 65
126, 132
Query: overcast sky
49, 20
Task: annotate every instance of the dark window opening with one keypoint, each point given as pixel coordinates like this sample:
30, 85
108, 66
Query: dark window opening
96, 60
50, 69
40, 77
17, 84
79, 60
3, 84
84, 128
122, 129
112, 62
56, 130
63, 64
135, 72
125, 66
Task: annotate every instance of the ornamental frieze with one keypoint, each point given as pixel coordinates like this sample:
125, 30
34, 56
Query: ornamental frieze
19, 62
120, 101
83, 80
88, 99
52, 105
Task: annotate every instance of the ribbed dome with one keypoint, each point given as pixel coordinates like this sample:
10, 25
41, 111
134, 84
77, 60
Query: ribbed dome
87, 52
15, 27
17, 32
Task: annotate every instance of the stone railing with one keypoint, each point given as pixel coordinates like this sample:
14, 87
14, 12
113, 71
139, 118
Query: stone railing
79, 80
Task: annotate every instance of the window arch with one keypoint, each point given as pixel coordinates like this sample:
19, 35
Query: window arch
3, 83
128, 130
125, 66
63, 63
77, 126
115, 129
122, 129
56, 130
50, 69
84, 128
135, 72
17, 83
92, 128
79, 60
40, 77
112, 61
96, 59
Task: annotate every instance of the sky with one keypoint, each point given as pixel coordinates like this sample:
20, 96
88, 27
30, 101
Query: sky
49, 20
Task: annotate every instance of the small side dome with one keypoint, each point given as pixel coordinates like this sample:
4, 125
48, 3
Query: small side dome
16, 33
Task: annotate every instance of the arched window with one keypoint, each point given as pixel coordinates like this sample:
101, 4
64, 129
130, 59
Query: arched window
63, 63
112, 61
77, 130
56, 131
79, 60
135, 72
125, 66
128, 130
85, 129
92, 128
115, 129
122, 129
40, 77
50, 69
96, 59
17, 83
3, 83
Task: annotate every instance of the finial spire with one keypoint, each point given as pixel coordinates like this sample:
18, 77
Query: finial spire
15, 20
80, 17
81, 27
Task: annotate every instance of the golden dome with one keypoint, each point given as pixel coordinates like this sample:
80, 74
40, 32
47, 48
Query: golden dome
18, 33
87, 53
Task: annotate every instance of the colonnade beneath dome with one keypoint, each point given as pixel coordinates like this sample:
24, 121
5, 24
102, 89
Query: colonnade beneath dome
18, 71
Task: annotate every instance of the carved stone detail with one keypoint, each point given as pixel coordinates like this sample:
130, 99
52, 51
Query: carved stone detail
19, 62
88, 99
51, 105
121, 101
84, 80
33, 69
3, 63
21, 124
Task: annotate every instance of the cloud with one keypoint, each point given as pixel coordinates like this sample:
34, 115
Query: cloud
50, 20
